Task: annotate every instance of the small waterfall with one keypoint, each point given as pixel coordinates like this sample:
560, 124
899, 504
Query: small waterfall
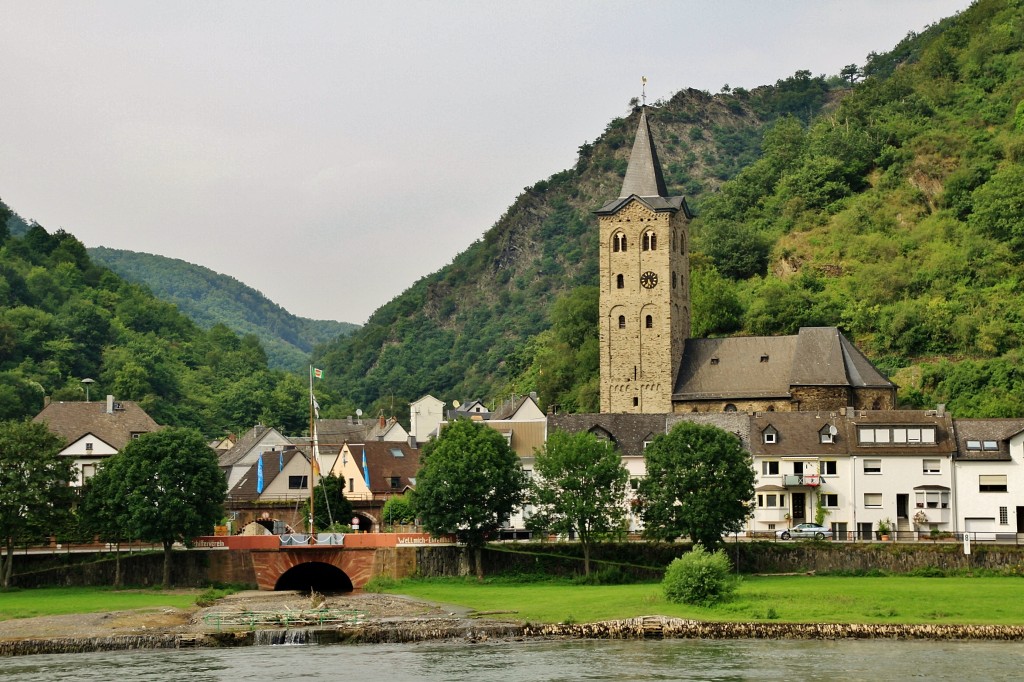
287, 637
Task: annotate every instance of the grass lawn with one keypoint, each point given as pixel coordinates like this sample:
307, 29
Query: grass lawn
894, 599
51, 601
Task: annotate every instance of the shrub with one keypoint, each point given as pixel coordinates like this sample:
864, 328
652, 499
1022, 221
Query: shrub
699, 577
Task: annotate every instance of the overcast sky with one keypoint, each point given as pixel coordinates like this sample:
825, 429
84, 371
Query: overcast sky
331, 153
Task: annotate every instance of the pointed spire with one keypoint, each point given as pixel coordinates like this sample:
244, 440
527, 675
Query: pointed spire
643, 174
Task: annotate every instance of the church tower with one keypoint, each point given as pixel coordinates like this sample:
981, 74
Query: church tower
645, 286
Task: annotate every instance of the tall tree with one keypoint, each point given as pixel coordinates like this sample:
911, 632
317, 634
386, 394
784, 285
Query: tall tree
171, 487
579, 486
34, 490
104, 512
469, 483
700, 483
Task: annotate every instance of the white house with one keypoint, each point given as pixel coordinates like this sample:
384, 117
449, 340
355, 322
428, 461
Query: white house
424, 416
989, 477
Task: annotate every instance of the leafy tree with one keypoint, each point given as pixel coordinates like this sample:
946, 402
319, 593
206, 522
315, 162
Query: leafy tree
469, 483
330, 506
999, 206
170, 487
398, 509
104, 512
699, 483
851, 73
34, 490
579, 486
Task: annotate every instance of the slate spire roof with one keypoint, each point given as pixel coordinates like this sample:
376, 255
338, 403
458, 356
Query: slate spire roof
644, 179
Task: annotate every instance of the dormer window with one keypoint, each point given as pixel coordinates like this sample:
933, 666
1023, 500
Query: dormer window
770, 435
826, 434
974, 445
989, 445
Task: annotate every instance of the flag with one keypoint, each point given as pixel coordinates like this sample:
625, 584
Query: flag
259, 475
318, 373
316, 454
316, 407
366, 471
280, 462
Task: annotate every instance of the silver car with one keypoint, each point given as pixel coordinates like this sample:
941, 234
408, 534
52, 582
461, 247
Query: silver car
804, 530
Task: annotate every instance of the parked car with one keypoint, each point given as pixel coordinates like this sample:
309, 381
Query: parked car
804, 530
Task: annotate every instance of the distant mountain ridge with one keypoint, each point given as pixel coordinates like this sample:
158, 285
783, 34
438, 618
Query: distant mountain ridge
209, 298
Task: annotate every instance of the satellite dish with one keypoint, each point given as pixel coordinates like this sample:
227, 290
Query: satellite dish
456, 404
359, 413
833, 430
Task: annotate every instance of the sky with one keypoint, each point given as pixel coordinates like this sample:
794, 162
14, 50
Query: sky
331, 153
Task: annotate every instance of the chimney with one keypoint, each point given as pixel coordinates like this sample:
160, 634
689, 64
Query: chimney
940, 409
412, 441
382, 421
533, 394
46, 400
110, 404
350, 419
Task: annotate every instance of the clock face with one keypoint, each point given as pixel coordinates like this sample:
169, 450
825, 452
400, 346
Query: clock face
648, 280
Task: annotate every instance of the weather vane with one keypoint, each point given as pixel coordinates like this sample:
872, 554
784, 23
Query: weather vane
643, 92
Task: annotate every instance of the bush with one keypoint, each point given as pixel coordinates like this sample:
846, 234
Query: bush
699, 577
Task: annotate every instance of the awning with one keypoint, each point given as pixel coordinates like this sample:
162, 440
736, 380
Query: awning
932, 487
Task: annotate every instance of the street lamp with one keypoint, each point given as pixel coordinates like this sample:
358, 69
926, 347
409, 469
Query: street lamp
87, 382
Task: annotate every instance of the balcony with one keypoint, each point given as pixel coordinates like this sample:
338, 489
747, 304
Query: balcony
801, 481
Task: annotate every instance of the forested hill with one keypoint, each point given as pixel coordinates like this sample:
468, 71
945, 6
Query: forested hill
63, 319
210, 298
885, 201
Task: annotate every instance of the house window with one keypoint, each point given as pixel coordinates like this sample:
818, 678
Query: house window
829, 500
974, 445
620, 282
872, 466
351, 485
650, 241
1004, 516
397, 452
771, 500
989, 445
619, 242
872, 499
770, 435
931, 466
865, 435
828, 468
88, 447
298, 482
649, 322
992, 483
769, 468
729, 407
136, 434
714, 361
634, 484
636, 402
826, 434
933, 499
395, 482
764, 358
622, 321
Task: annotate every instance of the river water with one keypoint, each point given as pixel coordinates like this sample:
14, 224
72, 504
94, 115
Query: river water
545, 660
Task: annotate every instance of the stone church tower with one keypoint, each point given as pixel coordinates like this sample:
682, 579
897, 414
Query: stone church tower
645, 286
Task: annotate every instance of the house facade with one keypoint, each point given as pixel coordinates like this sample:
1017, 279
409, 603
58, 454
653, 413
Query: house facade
989, 477
95, 430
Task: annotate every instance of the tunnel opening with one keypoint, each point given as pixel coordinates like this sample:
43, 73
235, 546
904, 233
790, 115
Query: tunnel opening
314, 575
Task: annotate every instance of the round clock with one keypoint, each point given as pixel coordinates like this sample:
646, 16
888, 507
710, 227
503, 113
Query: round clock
648, 280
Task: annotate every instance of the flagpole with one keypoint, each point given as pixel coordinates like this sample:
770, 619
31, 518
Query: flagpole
312, 458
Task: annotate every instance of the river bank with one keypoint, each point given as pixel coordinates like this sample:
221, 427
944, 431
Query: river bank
260, 618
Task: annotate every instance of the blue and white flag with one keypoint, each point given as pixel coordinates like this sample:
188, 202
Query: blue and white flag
259, 475
366, 471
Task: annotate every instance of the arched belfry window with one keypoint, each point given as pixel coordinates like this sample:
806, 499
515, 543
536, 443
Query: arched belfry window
622, 321
619, 282
650, 242
649, 322
618, 242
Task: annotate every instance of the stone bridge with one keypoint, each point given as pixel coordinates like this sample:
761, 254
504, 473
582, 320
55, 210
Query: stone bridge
360, 557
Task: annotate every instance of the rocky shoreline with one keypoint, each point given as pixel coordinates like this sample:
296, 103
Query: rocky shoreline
463, 629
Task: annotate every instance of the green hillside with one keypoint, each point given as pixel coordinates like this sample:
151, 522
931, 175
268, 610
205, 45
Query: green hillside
210, 298
64, 318
885, 201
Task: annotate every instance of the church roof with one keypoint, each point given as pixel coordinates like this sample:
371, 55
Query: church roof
644, 179
769, 366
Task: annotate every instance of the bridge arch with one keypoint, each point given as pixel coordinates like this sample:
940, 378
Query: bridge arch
314, 575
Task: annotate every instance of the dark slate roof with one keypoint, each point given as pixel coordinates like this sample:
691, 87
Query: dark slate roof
656, 204
245, 489
999, 430
384, 465
244, 445
945, 443
628, 431
769, 366
798, 434
334, 432
72, 420
643, 174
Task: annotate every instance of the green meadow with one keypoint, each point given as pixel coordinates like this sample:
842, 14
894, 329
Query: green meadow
891, 599
55, 601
